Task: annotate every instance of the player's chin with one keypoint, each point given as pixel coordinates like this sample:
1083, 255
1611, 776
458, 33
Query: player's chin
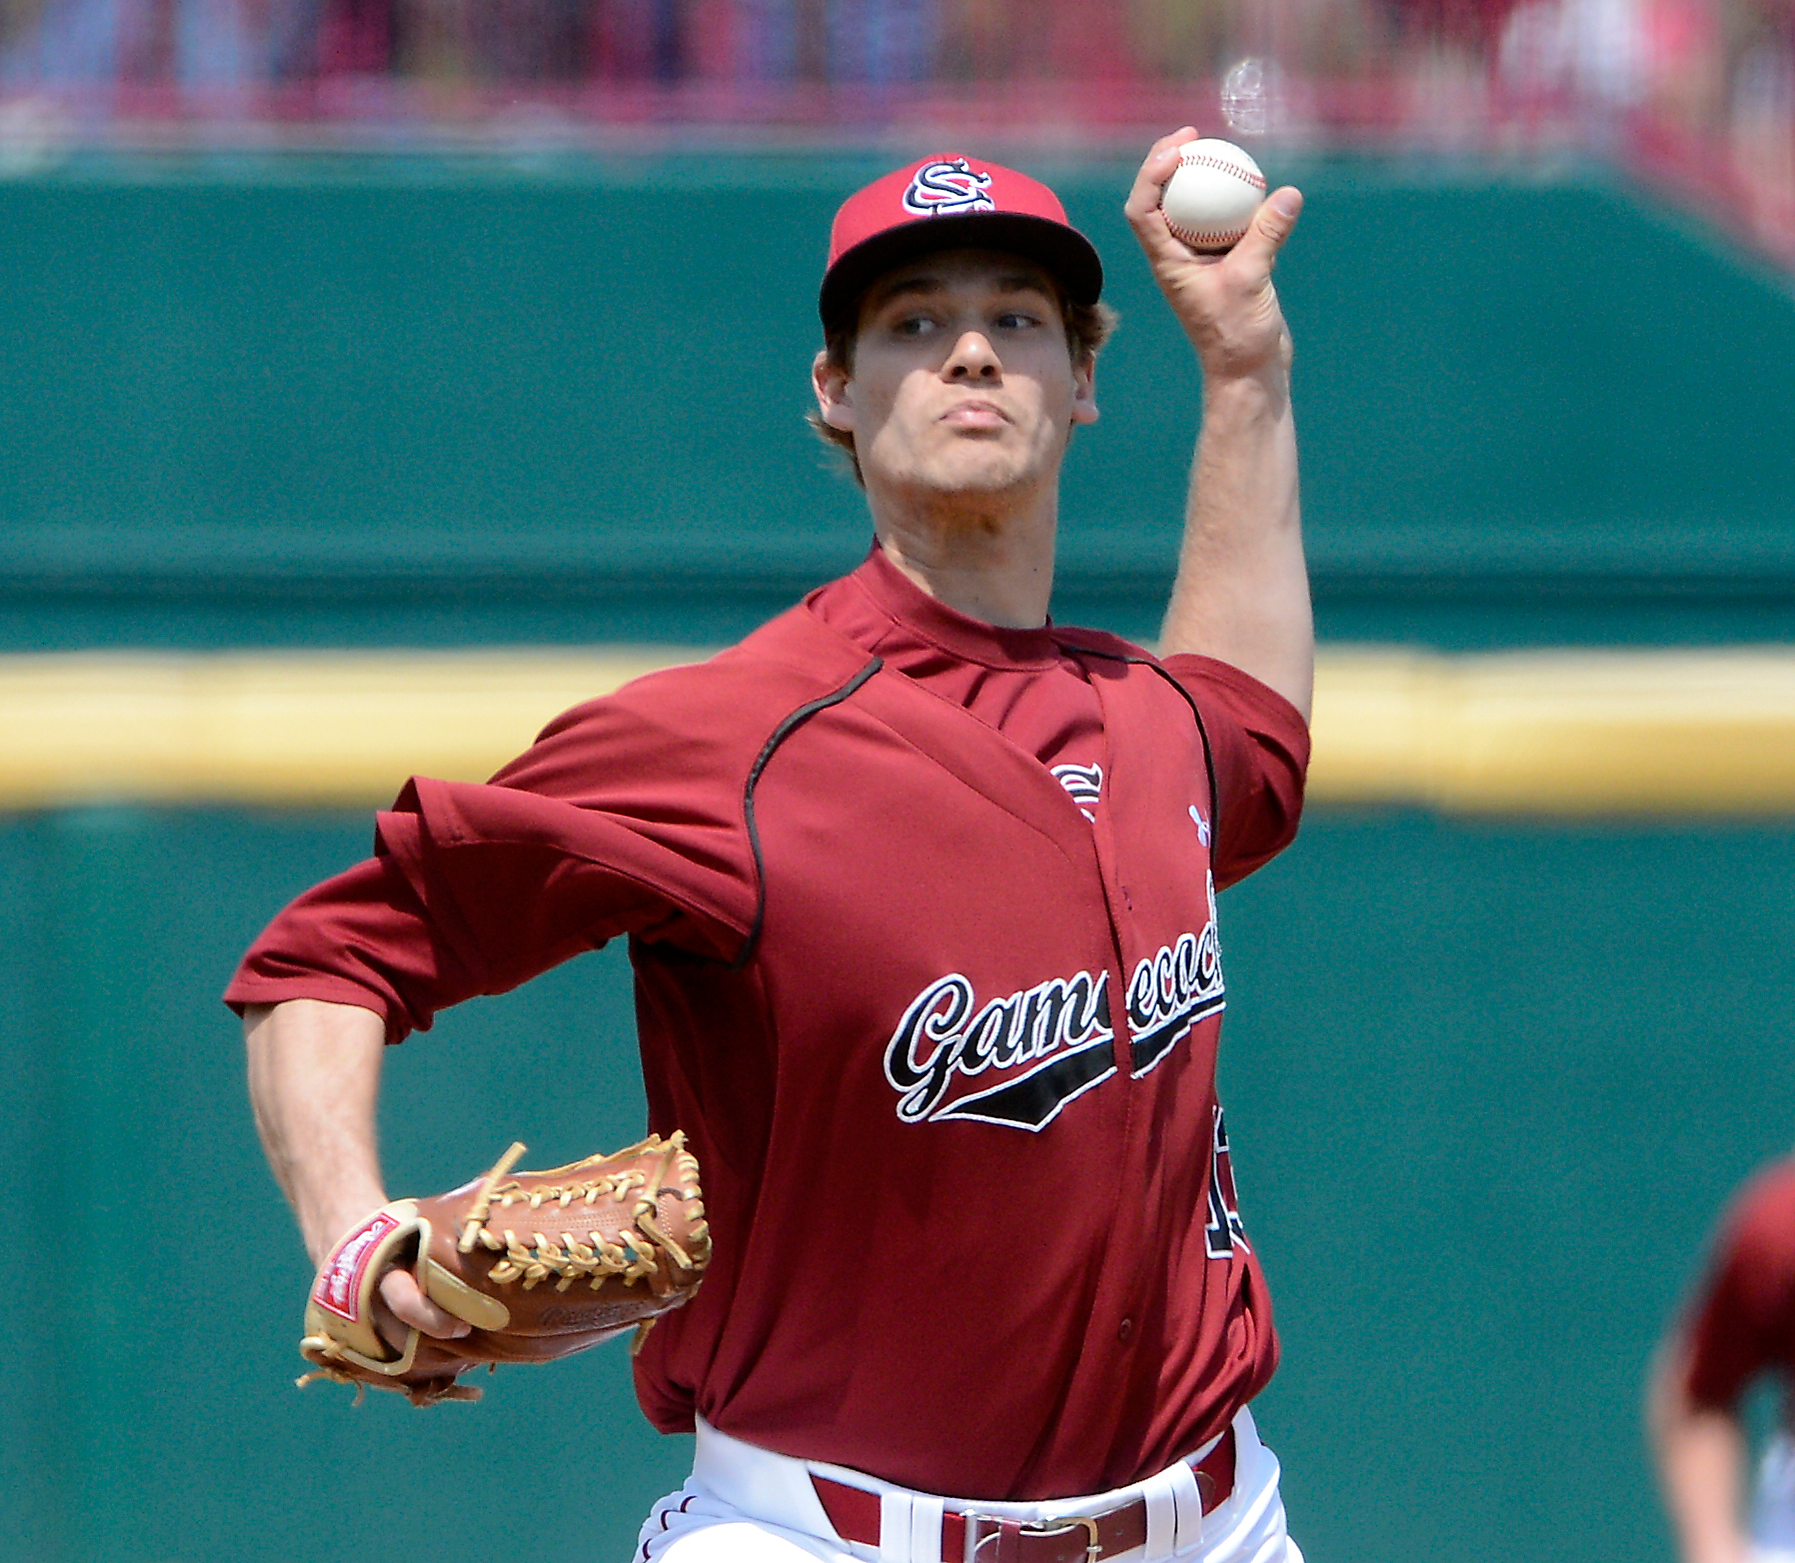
991, 466
968, 468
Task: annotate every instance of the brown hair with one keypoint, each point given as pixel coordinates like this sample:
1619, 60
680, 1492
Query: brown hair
1088, 327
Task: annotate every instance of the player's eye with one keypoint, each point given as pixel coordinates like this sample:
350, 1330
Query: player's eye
912, 326
1016, 320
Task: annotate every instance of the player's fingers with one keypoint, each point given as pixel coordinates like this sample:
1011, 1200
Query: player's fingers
1272, 224
1156, 168
1143, 198
410, 1308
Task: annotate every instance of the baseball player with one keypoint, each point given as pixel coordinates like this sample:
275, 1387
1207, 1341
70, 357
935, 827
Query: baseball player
1741, 1326
919, 889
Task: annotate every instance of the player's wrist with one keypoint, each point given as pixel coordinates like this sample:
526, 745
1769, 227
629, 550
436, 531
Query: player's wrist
323, 1224
1237, 392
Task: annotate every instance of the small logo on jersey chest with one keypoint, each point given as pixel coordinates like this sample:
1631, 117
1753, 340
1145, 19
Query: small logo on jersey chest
947, 186
1084, 786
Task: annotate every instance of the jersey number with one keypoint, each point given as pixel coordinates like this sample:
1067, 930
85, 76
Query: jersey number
1223, 1233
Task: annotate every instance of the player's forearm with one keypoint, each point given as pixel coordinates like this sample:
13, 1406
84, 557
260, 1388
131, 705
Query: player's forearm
314, 1081
1701, 1470
1242, 589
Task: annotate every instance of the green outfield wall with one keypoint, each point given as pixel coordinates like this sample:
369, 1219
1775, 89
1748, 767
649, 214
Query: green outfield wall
1489, 1080
380, 400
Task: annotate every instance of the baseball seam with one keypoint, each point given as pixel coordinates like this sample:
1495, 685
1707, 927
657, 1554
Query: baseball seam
1205, 241
1223, 166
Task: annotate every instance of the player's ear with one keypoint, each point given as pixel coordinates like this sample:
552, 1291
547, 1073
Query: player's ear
834, 387
1084, 390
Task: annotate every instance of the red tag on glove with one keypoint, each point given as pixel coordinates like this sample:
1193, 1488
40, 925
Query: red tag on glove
338, 1286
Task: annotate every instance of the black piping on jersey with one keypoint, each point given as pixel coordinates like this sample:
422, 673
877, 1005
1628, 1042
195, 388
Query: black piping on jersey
796, 719
783, 731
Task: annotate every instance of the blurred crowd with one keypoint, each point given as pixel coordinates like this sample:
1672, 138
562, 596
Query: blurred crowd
1694, 83
1684, 52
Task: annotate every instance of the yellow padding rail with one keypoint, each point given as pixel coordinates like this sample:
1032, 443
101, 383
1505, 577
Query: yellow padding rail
1535, 733
1558, 732
302, 728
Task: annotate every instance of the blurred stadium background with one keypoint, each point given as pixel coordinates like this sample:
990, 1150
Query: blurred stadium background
379, 378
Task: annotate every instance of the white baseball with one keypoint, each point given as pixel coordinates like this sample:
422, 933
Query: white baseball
1212, 194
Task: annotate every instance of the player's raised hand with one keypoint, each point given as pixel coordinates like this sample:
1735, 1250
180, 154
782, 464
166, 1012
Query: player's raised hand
1226, 303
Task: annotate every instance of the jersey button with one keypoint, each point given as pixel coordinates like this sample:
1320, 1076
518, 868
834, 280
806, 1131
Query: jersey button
1125, 1331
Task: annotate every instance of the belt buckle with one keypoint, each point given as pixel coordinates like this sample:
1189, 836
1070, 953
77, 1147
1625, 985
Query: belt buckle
977, 1536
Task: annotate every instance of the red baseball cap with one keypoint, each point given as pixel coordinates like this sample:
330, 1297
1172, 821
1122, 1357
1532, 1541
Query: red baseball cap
952, 202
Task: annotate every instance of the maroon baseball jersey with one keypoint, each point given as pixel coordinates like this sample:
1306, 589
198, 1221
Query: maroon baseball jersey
923, 925
1743, 1323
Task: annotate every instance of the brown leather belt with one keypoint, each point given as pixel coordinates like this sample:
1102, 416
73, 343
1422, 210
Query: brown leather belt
970, 1537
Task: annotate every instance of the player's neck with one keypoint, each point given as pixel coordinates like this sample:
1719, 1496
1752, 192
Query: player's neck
993, 563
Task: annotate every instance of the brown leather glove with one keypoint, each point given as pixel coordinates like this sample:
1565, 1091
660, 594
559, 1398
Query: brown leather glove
541, 1264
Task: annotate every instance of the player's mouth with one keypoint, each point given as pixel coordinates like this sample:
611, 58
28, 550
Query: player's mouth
975, 416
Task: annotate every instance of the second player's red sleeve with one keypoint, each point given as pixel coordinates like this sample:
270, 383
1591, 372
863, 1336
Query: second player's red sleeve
1261, 747
1743, 1321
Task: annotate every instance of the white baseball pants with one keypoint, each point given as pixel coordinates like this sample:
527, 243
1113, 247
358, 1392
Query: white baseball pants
744, 1504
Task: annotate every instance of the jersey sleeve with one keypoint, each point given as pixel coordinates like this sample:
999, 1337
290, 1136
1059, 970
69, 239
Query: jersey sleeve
623, 817
360, 938
1743, 1320
1261, 747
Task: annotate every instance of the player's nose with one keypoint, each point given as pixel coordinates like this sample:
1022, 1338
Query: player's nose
973, 358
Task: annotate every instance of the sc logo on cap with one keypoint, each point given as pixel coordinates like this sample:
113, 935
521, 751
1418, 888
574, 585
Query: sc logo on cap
948, 187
